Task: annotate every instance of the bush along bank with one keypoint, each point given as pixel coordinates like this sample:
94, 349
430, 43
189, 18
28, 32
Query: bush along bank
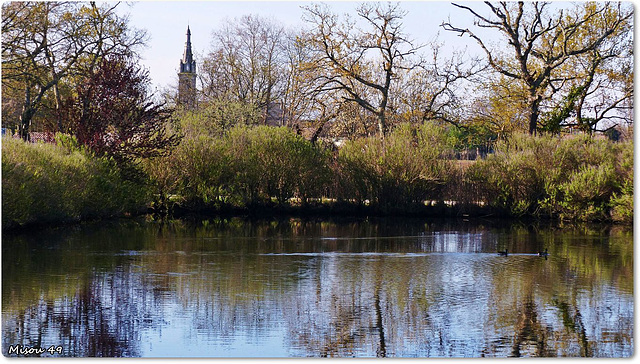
246, 167
576, 178
265, 170
59, 183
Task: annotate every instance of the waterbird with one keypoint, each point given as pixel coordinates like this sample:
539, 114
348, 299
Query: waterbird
503, 253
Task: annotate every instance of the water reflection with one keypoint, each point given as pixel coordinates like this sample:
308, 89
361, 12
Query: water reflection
319, 288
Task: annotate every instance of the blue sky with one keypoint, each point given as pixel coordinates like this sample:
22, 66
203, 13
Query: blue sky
166, 23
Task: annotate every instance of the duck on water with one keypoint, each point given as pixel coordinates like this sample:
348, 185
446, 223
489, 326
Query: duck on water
505, 253
544, 254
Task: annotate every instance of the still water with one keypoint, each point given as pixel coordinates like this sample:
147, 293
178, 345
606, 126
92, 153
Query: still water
293, 287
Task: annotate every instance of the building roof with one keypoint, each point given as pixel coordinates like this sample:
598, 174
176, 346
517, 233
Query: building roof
187, 64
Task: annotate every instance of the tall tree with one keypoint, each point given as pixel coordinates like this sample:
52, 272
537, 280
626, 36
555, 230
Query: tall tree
540, 41
437, 90
297, 100
246, 63
34, 34
360, 64
604, 90
44, 43
499, 105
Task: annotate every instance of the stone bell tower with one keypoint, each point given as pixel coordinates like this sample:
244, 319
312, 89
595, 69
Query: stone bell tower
187, 77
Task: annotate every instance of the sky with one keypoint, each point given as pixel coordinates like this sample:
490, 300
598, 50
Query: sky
166, 25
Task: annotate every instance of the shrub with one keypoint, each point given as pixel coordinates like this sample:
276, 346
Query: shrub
622, 200
512, 178
47, 183
573, 178
622, 203
276, 162
404, 169
204, 166
245, 166
586, 195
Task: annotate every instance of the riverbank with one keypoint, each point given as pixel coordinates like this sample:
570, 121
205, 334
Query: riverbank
570, 178
52, 184
264, 171
325, 209
331, 211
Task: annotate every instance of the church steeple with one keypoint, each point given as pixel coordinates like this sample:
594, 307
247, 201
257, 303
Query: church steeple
187, 64
187, 76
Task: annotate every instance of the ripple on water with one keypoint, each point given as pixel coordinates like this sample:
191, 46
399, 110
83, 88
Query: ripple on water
436, 294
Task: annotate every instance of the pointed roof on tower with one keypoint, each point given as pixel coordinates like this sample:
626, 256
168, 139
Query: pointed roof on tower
187, 64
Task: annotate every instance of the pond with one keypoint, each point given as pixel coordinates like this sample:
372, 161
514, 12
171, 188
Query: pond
234, 287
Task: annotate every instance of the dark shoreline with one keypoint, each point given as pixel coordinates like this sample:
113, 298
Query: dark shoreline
330, 212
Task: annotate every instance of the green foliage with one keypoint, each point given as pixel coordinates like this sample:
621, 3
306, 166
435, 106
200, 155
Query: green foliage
573, 178
404, 169
276, 162
511, 179
217, 117
204, 169
553, 122
69, 142
46, 183
472, 136
245, 166
622, 201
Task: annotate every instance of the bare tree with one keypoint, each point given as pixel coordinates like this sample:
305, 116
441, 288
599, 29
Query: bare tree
298, 101
246, 63
438, 90
605, 86
540, 41
34, 34
360, 64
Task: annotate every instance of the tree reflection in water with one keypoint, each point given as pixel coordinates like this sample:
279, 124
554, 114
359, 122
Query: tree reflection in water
99, 321
303, 288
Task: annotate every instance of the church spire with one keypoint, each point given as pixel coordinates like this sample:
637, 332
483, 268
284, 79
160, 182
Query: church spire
187, 76
187, 64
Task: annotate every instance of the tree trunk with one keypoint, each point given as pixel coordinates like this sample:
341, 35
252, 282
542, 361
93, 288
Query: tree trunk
534, 114
26, 115
316, 134
56, 93
25, 124
382, 115
382, 124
